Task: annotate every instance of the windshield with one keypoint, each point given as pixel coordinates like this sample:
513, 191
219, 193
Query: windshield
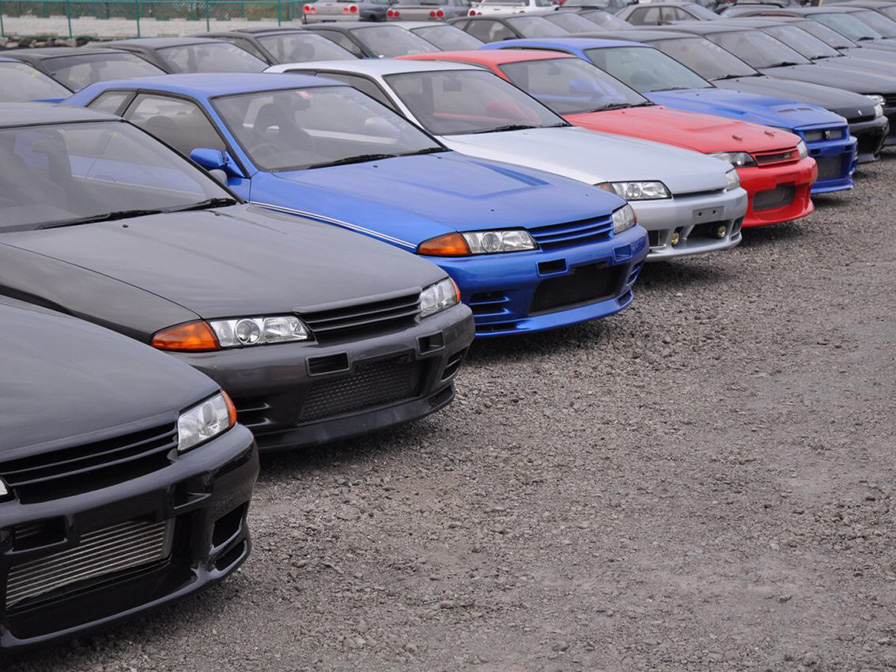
210, 57
645, 69
801, 41
607, 21
758, 49
875, 21
535, 27
705, 58
297, 129
571, 86
830, 37
453, 102
570, 22
701, 12
889, 11
65, 173
448, 38
20, 83
388, 41
848, 26
76, 72
302, 47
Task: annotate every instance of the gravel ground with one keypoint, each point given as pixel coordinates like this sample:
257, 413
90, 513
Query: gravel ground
704, 482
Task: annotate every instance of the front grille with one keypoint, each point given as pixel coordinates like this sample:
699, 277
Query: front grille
367, 318
91, 466
830, 168
775, 158
372, 384
585, 284
778, 197
582, 231
818, 135
869, 143
890, 100
99, 554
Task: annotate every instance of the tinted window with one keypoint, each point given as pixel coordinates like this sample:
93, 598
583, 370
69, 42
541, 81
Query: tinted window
705, 58
888, 11
699, 12
848, 25
306, 128
76, 72
570, 86
244, 44
875, 21
468, 101
570, 22
645, 16
490, 31
535, 27
758, 49
801, 41
607, 21
343, 41
178, 122
646, 69
363, 85
302, 47
386, 41
210, 57
830, 37
448, 38
110, 102
20, 83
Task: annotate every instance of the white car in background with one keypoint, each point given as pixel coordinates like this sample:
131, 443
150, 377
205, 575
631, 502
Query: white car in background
689, 203
500, 7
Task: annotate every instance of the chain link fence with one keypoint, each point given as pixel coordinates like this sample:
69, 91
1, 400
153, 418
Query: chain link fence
139, 18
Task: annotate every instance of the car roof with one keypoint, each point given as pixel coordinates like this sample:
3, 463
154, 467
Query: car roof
255, 31
646, 35
211, 85
574, 42
754, 21
382, 66
345, 26
43, 53
708, 27
492, 56
410, 25
30, 114
162, 42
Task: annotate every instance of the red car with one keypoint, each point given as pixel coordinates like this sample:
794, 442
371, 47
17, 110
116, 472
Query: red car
773, 165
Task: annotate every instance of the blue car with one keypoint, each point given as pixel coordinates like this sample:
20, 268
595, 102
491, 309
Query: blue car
21, 83
664, 81
529, 250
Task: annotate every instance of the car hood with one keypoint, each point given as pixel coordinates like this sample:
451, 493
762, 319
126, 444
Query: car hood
845, 103
777, 112
92, 382
850, 79
690, 130
240, 260
414, 198
596, 157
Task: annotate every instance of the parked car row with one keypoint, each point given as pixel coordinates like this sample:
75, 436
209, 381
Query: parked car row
270, 239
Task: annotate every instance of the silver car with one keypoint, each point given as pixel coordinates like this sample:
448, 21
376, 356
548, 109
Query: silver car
428, 10
346, 10
690, 202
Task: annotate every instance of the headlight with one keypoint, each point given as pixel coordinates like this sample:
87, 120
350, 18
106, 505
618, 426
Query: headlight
640, 191
733, 180
878, 111
259, 330
802, 150
877, 98
478, 242
436, 298
205, 421
736, 159
624, 218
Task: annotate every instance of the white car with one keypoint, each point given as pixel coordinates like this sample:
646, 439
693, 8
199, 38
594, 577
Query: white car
688, 202
500, 7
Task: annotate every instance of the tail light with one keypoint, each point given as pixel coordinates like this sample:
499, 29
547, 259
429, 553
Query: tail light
472, 12
390, 14
432, 15
310, 9
353, 9
393, 14
440, 13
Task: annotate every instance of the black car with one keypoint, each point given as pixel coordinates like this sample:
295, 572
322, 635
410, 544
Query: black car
867, 122
444, 36
605, 20
492, 28
775, 59
124, 479
77, 67
371, 40
571, 22
284, 45
316, 332
191, 54
22, 83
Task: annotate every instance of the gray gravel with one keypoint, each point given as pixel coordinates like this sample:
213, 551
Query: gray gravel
705, 482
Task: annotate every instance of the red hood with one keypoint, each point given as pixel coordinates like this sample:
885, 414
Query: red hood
700, 132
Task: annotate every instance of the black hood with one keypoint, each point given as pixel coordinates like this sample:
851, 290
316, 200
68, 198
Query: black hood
66, 382
849, 80
845, 103
235, 261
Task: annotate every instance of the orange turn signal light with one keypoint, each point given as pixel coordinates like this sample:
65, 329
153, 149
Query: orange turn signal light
231, 407
190, 336
449, 245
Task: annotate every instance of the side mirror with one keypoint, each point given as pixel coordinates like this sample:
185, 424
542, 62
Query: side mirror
210, 159
219, 176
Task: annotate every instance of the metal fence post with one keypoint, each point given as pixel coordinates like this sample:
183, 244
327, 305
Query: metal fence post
207, 24
279, 12
2, 29
137, 15
68, 16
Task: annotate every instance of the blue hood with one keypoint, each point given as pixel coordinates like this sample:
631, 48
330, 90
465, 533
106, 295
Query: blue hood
411, 199
747, 107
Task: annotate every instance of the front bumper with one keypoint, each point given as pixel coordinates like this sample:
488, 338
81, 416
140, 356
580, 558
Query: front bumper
302, 394
870, 135
204, 494
525, 292
836, 160
890, 114
693, 218
793, 181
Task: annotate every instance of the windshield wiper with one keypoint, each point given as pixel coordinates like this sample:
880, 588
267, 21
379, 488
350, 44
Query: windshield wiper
428, 150
721, 79
105, 217
508, 127
362, 158
784, 64
205, 205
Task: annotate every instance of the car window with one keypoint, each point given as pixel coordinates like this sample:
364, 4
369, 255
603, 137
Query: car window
645, 69
178, 122
830, 37
490, 31
848, 25
210, 57
79, 71
245, 45
20, 83
302, 47
675, 14
801, 41
448, 38
606, 20
758, 49
343, 41
110, 102
695, 11
705, 58
388, 41
363, 85
296, 129
645, 16
535, 27
570, 22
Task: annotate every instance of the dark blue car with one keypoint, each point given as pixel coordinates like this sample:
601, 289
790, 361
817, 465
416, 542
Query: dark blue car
529, 250
664, 81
